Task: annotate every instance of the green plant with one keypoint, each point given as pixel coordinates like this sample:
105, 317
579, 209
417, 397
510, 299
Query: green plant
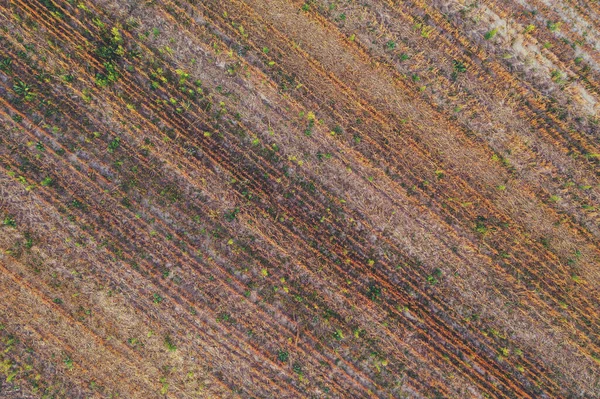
157, 298
231, 215
23, 90
553, 26
374, 292
309, 128
297, 367
5, 64
114, 144
28, 240
224, 316
490, 34
283, 356
435, 276
68, 362
558, 77
164, 385
458, 66
54, 10
77, 204
110, 76
425, 30
338, 335
169, 344
480, 226
101, 80
337, 130
9, 221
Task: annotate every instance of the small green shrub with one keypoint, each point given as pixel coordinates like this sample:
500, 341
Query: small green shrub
9, 221
338, 335
114, 144
22, 89
169, 344
283, 356
231, 215
490, 34
459, 67
157, 298
68, 362
553, 26
374, 292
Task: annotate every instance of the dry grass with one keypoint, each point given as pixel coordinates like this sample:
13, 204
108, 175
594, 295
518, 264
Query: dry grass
285, 199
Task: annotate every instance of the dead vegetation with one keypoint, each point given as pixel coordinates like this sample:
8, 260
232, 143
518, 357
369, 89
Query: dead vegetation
299, 199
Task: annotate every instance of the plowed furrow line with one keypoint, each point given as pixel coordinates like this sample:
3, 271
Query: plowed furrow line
534, 101
135, 287
312, 235
97, 369
470, 98
561, 53
82, 127
547, 195
536, 244
132, 234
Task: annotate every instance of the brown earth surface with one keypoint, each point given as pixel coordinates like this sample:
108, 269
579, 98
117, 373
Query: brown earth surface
287, 199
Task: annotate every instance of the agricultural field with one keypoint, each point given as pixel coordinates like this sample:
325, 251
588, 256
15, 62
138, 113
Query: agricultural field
290, 199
